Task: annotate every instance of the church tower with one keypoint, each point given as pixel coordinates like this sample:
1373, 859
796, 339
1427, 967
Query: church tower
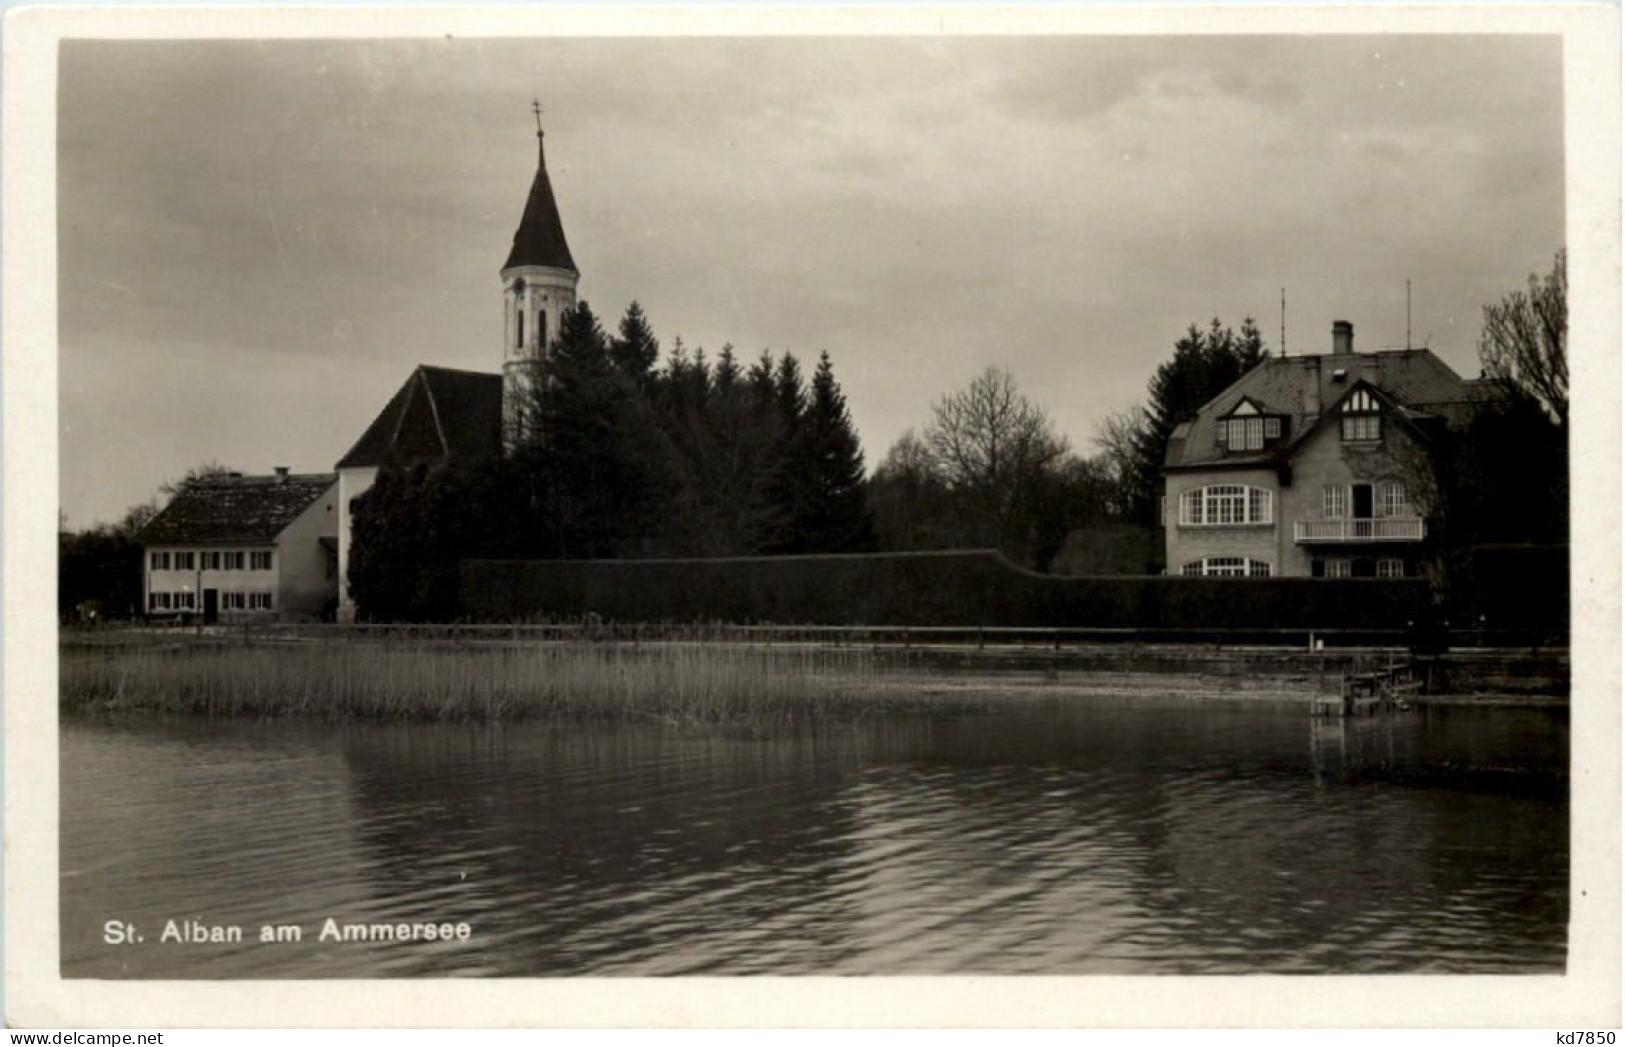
538, 288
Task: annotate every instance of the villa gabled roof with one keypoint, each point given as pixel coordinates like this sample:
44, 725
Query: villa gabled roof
1414, 382
436, 413
248, 509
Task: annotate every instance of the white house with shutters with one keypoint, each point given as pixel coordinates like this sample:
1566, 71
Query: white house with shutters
1312, 466
240, 548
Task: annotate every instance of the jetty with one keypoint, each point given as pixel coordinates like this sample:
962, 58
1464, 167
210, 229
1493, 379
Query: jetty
1379, 690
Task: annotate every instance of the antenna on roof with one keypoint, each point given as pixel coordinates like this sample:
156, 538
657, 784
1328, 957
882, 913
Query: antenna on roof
1407, 314
1283, 321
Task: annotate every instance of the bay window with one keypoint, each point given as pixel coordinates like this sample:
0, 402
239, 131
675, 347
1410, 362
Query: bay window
1226, 505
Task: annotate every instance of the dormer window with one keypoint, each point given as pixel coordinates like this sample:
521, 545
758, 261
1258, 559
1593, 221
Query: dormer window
1362, 418
1247, 428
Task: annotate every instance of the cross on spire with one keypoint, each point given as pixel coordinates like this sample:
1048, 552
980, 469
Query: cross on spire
536, 107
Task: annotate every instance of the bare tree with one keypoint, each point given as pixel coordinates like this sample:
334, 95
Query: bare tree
990, 439
203, 471
1119, 437
137, 517
1524, 344
909, 458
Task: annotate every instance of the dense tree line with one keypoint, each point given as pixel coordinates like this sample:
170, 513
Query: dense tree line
625, 456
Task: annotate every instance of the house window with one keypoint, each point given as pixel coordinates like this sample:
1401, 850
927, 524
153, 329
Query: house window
1361, 418
232, 561
158, 601
259, 601
1394, 502
1390, 568
184, 561
1245, 434
1226, 505
1247, 428
211, 561
260, 560
183, 600
1334, 501
160, 561
1337, 567
1227, 567
1362, 427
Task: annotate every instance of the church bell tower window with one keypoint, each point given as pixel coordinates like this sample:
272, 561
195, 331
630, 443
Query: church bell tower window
541, 328
519, 329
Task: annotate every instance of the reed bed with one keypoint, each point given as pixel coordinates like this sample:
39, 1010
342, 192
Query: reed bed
673, 683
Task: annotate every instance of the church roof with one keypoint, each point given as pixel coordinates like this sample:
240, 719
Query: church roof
236, 508
437, 412
539, 240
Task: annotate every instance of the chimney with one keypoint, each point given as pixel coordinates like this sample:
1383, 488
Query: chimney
281, 474
1342, 337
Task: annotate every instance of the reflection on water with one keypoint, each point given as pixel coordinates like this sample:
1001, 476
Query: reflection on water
1054, 836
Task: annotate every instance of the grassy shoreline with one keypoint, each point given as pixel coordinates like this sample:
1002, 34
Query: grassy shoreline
688, 684
676, 683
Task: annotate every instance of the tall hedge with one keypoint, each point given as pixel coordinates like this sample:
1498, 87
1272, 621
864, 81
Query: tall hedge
959, 588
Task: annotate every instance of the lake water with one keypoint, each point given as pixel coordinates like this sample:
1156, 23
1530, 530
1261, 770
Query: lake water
1041, 835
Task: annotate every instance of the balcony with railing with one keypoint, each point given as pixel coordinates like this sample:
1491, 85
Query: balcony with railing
1374, 529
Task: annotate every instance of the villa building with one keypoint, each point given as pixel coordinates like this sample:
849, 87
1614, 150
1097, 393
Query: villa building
240, 547
1313, 466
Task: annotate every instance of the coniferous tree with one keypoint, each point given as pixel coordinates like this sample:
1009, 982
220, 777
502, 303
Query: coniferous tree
827, 505
734, 455
789, 393
680, 393
594, 456
778, 488
635, 350
1203, 365
759, 443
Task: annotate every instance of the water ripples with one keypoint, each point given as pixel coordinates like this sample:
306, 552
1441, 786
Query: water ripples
1045, 836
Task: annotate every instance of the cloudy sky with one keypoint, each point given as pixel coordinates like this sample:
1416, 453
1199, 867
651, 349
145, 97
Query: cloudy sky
258, 241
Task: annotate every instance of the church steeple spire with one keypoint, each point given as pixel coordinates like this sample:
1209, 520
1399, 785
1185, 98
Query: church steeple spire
538, 289
539, 240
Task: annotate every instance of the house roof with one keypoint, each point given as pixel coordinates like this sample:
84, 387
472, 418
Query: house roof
1415, 382
539, 240
437, 412
236, 508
